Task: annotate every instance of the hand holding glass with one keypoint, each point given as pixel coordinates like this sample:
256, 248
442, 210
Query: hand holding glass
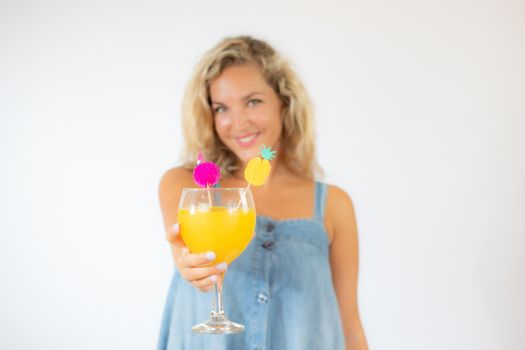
221, 220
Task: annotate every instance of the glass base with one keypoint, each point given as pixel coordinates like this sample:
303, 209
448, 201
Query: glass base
218, 324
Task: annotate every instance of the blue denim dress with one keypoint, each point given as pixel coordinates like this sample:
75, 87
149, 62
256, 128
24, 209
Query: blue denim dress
280, 289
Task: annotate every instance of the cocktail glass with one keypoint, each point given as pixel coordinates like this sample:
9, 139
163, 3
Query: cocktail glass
221, 220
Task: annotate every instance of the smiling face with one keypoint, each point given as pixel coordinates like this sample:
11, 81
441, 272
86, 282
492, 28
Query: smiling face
246, 111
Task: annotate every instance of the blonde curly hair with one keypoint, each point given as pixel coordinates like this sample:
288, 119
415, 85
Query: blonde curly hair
297, 139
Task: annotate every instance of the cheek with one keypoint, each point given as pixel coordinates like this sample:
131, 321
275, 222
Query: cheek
269, 115
273, 120
278, 130
222, 124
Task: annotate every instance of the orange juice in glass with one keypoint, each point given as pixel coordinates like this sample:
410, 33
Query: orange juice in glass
221, 220
226, 232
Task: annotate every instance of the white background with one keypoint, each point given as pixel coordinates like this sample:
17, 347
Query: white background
420, 116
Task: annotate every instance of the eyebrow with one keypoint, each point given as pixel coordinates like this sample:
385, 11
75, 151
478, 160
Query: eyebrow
243, 98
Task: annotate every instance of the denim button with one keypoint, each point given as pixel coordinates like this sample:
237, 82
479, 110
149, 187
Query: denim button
268, 245
262, 298
270, 227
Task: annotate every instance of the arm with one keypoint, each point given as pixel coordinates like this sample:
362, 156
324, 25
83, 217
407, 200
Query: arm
344, 260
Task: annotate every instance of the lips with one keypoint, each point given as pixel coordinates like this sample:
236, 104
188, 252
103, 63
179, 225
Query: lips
247, 140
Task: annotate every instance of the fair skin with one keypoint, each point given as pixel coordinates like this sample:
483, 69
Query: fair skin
247, 115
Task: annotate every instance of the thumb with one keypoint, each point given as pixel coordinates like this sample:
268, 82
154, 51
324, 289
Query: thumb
173, 235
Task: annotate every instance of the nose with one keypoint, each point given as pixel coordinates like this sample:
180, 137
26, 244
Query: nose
239, 120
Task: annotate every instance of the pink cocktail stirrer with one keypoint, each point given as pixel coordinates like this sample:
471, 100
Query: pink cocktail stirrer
206, 174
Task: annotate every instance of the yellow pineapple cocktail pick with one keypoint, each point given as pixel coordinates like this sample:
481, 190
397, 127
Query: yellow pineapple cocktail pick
258, 169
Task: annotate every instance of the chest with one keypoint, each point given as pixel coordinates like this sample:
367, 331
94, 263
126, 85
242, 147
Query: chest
285, 204
282, 202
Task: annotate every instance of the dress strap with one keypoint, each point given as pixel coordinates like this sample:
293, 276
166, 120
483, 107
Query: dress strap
320, 200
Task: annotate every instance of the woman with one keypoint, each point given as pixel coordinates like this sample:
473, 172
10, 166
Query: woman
295, 285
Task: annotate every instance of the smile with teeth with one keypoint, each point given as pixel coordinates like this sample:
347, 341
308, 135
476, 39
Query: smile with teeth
247, 140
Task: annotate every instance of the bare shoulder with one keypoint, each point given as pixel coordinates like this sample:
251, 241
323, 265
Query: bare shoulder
174, 178
172, 182
338, 197
339, 214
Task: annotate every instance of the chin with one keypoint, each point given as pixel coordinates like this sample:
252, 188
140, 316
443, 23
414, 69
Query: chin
247, 154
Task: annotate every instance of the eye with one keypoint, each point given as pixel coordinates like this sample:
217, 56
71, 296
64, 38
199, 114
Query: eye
219, 109
254, 102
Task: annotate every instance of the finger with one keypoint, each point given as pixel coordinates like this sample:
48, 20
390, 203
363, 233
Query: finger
195, 260
205, 284
178, 252
173, 236
193, 274
173, 233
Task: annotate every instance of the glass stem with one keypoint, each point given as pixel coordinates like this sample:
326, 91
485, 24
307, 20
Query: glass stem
217, 310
